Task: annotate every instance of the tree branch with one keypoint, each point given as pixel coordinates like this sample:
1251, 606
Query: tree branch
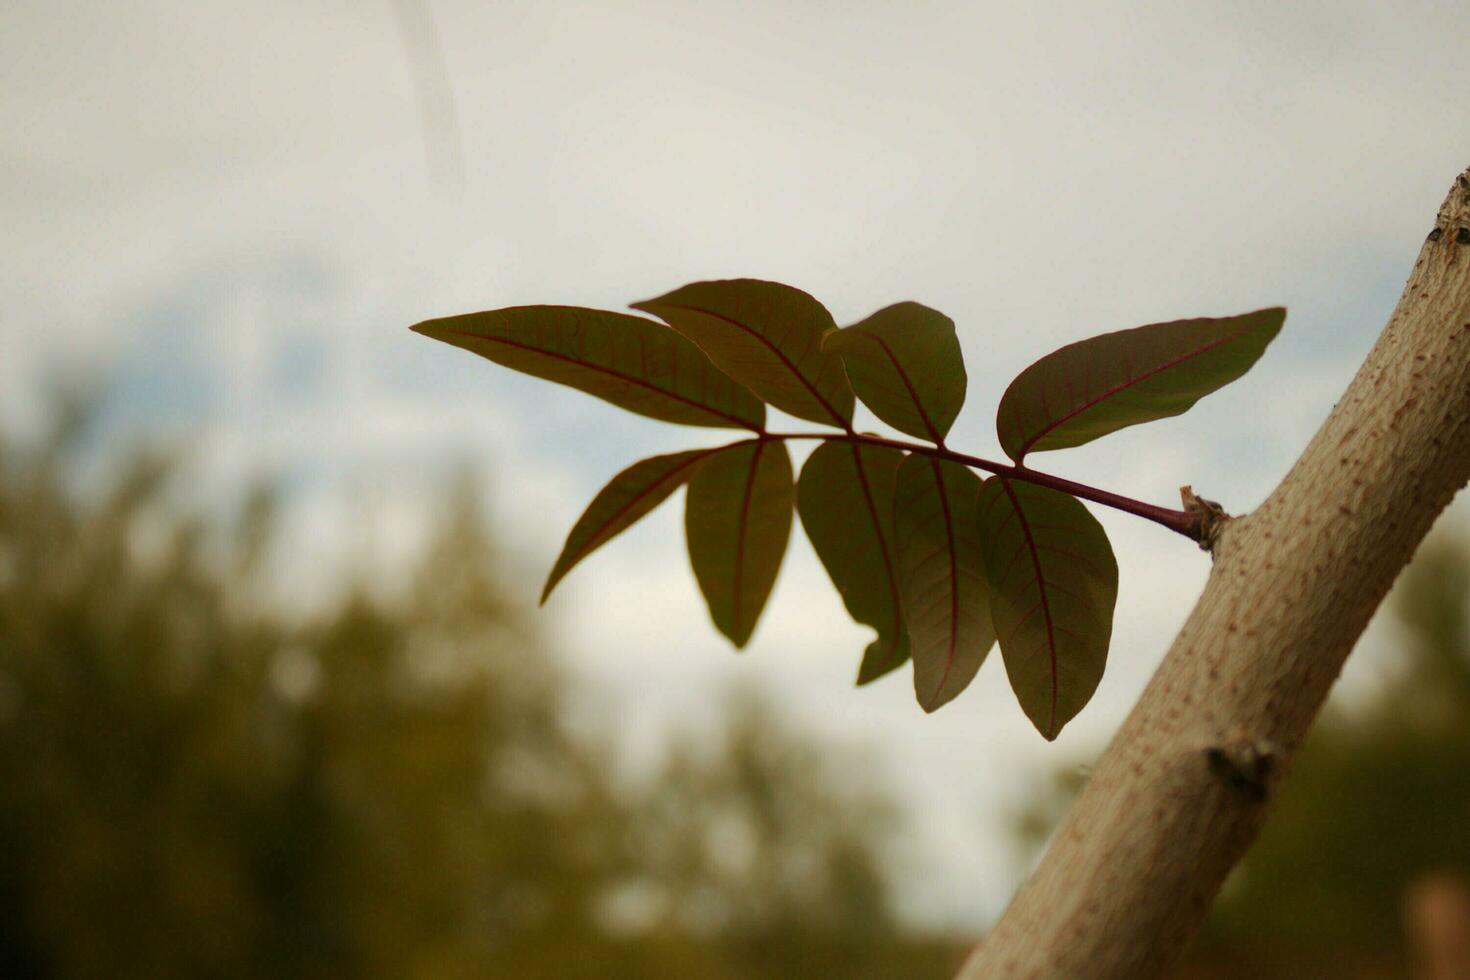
1189, 523
1184, 787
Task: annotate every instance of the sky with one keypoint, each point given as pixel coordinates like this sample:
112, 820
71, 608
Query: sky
230, 213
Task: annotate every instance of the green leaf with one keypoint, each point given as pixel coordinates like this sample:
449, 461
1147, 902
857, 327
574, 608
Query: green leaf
1053, 585
634, 363
845, 499
766, 336
904, 362
737, 520
1096, 386
628, 496
941, 576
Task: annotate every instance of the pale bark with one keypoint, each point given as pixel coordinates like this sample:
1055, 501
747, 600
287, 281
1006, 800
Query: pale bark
1184, 787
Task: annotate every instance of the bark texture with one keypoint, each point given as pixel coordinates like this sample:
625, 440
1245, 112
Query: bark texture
1184, 787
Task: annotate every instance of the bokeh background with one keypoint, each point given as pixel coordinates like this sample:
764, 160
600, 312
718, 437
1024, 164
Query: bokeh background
273, 697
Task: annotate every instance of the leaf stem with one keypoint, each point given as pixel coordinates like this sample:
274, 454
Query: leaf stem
1180, 521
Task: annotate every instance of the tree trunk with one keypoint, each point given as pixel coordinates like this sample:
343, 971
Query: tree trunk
1185, 785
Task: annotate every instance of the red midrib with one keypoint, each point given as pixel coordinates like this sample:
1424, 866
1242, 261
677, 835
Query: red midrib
1051, 638
598, 368
1123, 386
780, 355
593, 542
903, 376
954, 580
755, 462
857, 459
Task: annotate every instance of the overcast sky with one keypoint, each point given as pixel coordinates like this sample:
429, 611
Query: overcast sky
233, 211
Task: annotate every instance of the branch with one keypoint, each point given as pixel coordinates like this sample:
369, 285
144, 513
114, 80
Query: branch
1184, 787
1189, 523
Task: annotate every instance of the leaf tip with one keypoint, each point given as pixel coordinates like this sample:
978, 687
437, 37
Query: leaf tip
935, 701
434, 329
1051, 732
1275, 317
732, 632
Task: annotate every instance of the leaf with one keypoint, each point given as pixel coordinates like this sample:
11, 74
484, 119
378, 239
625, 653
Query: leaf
627, 497
766, 336
1053, 585
738, 519
905, 364
941, 576
845, 499
1096, 386
636, 364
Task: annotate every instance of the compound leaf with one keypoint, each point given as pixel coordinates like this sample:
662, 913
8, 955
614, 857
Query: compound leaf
941, 576
1096, 386
737, 520
627, 497
905, 364
768, 337
636, 364
845, 499
1053, 585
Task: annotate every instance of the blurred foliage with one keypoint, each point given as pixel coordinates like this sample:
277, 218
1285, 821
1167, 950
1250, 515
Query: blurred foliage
1378, 799
198, 785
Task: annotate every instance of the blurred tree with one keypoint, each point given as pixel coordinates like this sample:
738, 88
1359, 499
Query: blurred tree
196, 785
751, 840
195, 788
1379, 798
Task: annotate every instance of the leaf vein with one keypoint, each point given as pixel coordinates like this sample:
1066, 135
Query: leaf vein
1129, 381
600, 369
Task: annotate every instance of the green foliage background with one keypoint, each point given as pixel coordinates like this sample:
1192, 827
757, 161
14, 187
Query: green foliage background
197, 784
